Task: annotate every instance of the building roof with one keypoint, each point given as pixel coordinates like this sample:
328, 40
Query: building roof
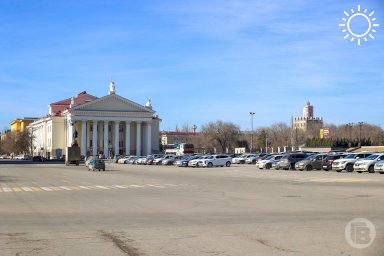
79, 99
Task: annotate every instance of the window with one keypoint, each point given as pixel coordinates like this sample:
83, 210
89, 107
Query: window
91, 143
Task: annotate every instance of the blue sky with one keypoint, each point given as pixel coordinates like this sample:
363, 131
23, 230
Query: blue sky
198, 60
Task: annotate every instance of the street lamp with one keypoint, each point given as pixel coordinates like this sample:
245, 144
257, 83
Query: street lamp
350, 125
252, 114
360, 124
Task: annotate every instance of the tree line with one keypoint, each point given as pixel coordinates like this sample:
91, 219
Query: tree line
16, 143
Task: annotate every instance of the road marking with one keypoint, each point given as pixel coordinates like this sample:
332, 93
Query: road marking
120, 186
155, 186
79, 187
85, 187
136, 186
65, 188
102, 187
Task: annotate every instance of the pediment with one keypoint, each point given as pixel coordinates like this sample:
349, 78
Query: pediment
112, 103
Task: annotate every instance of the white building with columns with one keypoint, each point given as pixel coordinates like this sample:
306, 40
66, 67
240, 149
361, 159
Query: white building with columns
110, 125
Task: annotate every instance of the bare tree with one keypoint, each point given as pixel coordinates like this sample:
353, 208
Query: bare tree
222, 134
17, 142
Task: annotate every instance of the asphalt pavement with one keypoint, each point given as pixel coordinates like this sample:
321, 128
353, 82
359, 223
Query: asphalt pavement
52, 209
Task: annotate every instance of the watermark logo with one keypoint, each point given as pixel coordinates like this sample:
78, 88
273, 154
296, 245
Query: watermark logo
360, 233
359, 25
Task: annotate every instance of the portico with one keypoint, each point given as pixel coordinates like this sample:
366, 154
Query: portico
112, 125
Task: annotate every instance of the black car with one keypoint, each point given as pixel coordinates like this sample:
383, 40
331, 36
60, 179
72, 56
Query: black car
327, 162
288, 161
39, 159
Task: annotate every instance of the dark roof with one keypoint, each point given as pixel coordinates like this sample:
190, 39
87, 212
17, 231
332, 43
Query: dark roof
80, 99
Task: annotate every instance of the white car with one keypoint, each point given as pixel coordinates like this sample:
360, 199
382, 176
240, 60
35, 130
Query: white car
347, 162
216, 160
240, 159
268, 162
195, 162
379, 167
252, 159
142, 160
159, 160
368, 164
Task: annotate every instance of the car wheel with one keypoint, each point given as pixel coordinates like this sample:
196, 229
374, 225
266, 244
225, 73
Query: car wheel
253, 161
381, 172
228, 164
197, 165
349, 168
268, 166
210, 164
308, 168
292, 167
359, 172
338, 170
104, 170
371, 169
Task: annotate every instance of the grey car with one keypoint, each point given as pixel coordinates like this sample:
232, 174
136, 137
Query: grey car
288, 161
311, 162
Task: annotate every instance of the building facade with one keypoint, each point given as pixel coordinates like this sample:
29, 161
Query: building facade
20, 124
110, 125
307, 122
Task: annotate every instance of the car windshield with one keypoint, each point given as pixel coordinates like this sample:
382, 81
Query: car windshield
350, 156
269, 157
310, 157
372, 157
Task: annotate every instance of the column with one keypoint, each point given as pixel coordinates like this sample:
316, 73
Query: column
83, 137
149, 138
138, 138
100, 133
127, 137
70, 133
94, 138
117, 137
106, 138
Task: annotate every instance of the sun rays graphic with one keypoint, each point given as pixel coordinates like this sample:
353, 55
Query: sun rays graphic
367, 16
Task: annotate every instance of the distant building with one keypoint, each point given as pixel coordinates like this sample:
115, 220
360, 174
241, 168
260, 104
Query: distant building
20, 124
109, 125
176, 137
3, 134
307, 123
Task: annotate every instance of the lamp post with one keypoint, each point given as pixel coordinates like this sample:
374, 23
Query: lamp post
360, 124
350, 125
252, 114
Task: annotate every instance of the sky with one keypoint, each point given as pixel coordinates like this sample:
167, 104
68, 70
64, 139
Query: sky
198, 60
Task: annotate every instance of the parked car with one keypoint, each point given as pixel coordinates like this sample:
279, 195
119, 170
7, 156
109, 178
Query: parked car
241, 159
116, 158
141, 160
368, 164
288, 161
347, 162
132, 160
22, 157
253, 158
379, 167
183, 162
96, 164
311, 162
216, 160
195, 162
327, 162
268, 162
39, 159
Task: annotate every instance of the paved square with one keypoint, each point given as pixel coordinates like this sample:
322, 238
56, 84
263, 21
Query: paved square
52, 209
